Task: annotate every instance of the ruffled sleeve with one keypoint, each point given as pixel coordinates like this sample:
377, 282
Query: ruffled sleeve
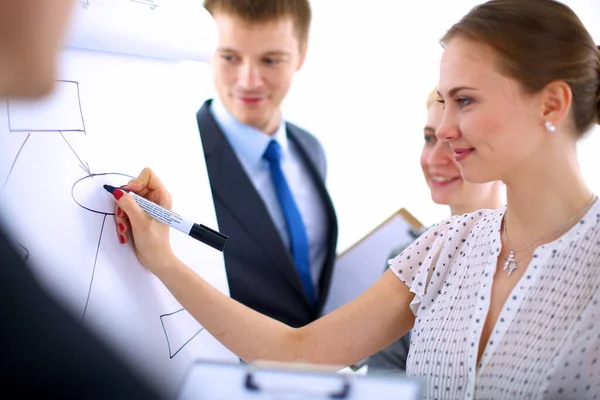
417, 262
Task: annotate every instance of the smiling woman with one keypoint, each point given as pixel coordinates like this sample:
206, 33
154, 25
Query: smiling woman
447, 187
442, 171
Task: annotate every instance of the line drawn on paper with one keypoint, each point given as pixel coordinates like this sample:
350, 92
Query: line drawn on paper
50, 114
89, 292
85, 4
167, 319
83, 165
50, 118
96, 208
12, 166
24, 252
63, 113
151, 3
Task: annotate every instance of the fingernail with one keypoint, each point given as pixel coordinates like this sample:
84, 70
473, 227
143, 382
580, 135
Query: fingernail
119, 211
122, 239
122, 227
118, 194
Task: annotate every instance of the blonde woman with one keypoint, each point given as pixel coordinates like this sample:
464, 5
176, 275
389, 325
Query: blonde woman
447, 187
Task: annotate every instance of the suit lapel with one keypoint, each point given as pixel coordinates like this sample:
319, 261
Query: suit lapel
325, 278
234, 189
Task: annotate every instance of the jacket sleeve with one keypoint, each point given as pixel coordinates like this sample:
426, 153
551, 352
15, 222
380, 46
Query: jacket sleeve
46, 352
392, 359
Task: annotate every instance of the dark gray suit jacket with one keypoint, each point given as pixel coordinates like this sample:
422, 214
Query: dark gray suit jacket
46, 353
392, 359
260, 269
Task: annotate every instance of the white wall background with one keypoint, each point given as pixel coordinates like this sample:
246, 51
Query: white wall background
362, 91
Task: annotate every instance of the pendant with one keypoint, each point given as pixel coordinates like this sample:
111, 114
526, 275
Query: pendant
511, 264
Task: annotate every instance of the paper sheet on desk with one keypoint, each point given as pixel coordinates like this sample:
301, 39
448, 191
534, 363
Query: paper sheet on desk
357, 268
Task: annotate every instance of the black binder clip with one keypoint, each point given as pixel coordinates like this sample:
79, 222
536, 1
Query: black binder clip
343, 393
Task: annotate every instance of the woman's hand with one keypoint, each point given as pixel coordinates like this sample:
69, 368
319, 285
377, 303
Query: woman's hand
150, 237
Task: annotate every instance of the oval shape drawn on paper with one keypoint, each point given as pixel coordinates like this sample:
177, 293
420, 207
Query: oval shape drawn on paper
89, 193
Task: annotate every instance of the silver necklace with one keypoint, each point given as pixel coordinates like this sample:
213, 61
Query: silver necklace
510, 263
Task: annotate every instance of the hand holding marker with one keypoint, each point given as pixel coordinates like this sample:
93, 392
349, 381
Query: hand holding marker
199, 232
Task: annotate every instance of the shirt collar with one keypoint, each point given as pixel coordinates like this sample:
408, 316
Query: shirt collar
248, 142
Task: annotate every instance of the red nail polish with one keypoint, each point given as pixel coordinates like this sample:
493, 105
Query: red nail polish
119, 212
118, 194
122, 227
122, 239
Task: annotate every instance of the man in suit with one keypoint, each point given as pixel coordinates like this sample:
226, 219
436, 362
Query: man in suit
267, 175
45, 352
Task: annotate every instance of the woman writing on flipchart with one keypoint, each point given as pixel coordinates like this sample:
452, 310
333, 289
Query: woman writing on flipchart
447, 187
502, 303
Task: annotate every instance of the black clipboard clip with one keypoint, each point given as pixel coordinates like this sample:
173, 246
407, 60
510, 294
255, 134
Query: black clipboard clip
343, 393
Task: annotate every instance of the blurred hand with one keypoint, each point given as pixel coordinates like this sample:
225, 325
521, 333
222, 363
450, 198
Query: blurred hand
150, 237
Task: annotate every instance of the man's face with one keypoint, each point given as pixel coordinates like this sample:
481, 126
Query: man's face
31, 33
253, 68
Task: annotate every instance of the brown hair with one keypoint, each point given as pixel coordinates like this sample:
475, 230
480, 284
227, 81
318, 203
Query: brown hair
257, 11
598, 99
539, 41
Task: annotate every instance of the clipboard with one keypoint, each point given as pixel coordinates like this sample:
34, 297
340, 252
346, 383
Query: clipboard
213, 380
359, 266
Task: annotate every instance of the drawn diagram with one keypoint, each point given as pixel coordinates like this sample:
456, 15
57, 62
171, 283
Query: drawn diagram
86, 192
178, 339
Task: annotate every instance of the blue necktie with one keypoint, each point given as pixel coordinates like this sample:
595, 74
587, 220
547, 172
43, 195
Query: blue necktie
295, 226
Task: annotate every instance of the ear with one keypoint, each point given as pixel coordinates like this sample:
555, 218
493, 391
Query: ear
556, 100
303, 51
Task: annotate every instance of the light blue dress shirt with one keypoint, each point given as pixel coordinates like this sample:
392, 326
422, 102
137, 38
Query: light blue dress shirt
249, 144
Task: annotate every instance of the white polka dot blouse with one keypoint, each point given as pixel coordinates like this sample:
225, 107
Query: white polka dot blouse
546, 341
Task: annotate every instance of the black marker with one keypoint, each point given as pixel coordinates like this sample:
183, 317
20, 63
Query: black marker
200, 232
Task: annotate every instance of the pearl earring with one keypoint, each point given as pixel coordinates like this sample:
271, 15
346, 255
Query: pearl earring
550, 126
